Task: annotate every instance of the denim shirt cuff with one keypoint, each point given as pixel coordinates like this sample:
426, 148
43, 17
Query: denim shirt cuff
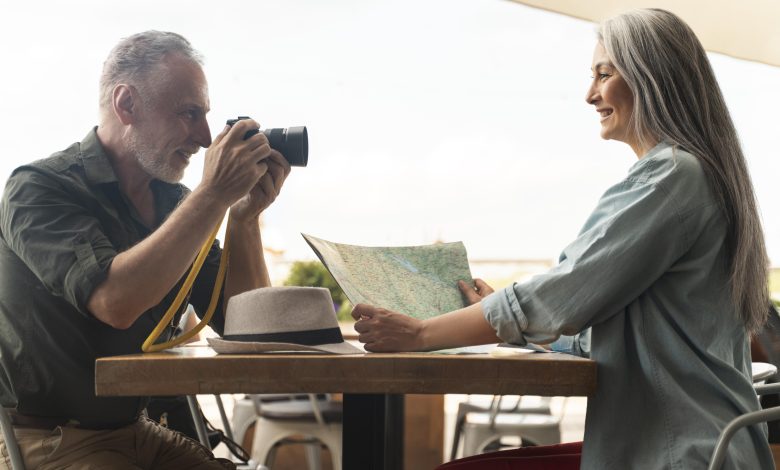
577, 345
502, 310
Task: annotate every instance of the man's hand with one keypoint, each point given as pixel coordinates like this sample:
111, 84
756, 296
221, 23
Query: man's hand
234, 166
266, 190
477, 293
385, 331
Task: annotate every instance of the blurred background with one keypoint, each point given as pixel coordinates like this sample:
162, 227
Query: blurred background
433, 120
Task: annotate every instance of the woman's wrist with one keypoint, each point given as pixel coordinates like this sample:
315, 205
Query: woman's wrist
421, 337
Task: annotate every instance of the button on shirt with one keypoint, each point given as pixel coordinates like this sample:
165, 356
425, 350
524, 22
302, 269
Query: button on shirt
63, 220
648, 274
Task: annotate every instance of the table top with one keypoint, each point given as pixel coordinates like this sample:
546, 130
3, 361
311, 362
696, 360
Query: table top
193, 370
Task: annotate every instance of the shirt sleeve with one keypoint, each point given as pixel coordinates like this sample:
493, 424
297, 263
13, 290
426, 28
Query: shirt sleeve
577, 345
635, 234
55, 236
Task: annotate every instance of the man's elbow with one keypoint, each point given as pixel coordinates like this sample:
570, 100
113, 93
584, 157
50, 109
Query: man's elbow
112, 319
116, 316
118, 325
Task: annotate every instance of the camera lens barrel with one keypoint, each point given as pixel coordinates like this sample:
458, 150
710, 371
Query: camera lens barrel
291, 142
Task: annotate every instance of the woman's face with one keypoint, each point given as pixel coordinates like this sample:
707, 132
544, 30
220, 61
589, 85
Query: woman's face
612, 98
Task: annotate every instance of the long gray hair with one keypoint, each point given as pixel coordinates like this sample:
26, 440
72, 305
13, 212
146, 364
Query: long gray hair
678, 100
136, 57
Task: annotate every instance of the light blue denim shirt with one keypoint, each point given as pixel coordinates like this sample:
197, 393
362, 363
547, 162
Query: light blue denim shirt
648, 275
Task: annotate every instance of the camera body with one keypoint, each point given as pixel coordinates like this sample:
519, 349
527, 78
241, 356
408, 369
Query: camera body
291, 142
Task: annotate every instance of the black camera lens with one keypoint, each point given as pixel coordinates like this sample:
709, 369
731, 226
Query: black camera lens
291, 142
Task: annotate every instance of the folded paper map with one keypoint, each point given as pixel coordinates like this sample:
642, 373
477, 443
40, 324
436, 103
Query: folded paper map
420, 281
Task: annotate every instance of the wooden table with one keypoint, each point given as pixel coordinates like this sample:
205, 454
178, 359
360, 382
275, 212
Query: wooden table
373, 384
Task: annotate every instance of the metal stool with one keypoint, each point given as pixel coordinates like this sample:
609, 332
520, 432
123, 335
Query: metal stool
318, 420
535, 426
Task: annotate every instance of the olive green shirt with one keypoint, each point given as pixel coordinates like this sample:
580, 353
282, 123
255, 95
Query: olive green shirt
62, 221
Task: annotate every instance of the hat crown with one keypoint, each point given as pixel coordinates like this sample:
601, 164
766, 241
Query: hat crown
276, 319
280, 309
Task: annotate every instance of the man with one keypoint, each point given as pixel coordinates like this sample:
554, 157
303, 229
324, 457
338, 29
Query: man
96, 240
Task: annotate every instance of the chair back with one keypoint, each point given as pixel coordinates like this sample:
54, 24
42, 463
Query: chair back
762, 371
760, 374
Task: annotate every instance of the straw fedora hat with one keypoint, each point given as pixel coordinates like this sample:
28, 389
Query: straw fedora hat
274, 319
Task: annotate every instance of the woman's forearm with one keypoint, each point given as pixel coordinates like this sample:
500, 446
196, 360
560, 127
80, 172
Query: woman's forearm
464, 327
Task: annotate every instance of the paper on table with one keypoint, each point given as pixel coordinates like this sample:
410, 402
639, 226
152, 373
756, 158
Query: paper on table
501, 349
420, 281
504, 349
481, 349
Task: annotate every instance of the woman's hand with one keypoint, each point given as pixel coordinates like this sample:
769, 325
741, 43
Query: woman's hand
476, 293
384, 331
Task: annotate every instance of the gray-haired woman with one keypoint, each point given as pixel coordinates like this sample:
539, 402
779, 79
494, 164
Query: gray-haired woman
669, 271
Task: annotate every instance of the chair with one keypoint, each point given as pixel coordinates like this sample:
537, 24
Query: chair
318, 420
17, 463
476, 404
747, 419
762, 371
245, 413
244, 419
200, 427
480, 427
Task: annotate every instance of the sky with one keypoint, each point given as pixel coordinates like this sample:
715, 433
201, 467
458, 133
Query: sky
451, 120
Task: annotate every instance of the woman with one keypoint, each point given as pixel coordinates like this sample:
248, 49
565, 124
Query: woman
669, 272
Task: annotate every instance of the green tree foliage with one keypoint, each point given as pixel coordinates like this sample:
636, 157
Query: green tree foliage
314, 274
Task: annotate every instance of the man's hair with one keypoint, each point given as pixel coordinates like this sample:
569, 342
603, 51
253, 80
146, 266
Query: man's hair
135, 58
677, 100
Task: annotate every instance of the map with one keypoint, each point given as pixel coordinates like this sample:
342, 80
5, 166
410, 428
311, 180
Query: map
420, 281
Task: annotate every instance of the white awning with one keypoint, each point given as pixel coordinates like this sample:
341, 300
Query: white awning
746, 29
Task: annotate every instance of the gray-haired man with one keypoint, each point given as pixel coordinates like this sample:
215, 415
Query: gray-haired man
95, 242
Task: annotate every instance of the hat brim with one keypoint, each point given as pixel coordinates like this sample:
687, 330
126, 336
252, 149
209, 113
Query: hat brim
222, 346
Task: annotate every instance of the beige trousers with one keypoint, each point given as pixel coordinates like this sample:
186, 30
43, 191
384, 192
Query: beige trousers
144, 445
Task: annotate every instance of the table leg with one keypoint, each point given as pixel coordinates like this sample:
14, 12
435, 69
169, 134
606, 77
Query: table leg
373, 433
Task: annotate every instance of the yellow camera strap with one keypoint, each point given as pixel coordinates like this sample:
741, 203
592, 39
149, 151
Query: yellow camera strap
149, 345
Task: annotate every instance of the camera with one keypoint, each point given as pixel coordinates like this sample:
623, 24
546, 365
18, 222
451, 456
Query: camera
291, 142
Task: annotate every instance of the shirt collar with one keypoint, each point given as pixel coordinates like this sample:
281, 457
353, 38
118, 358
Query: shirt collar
662, 145
97, 166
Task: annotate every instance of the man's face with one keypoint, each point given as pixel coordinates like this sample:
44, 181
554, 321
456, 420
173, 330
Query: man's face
171, 124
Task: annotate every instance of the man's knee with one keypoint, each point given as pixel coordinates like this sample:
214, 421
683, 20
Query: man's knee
174, 450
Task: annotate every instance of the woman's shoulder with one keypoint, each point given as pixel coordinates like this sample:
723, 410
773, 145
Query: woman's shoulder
668, 163
677, 173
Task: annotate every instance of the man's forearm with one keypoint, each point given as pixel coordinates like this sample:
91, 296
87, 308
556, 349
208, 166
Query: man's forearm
140, 277
246, 269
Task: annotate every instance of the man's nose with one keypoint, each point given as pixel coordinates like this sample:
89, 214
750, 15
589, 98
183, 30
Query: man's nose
202, 133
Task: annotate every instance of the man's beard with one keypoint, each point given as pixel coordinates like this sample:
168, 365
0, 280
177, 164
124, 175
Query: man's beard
152, 162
